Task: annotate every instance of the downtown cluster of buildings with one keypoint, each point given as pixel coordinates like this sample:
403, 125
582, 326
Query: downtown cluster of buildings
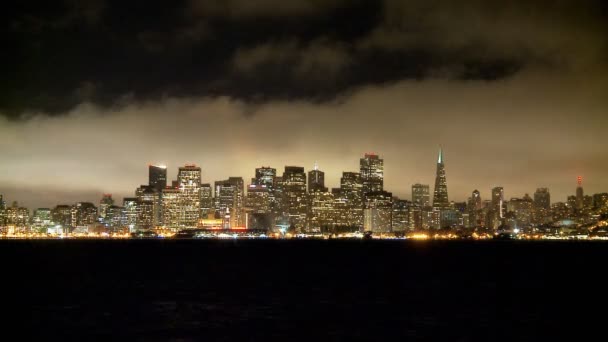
299, 202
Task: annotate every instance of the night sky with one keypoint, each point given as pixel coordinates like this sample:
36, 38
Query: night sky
92, 92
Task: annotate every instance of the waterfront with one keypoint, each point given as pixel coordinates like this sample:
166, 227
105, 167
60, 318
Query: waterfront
182, 290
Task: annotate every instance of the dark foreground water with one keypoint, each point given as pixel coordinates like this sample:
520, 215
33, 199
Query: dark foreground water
149, 290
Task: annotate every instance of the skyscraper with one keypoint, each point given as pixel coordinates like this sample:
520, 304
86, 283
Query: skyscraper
104, 204
378, 212
475, 209
542, 206
372, 173
440, 194
157, 177
171, 208
148, 207
264, 175
316, 180
229, 198
294, 196
207, 205
497, 208
351, 199
421, 195
189, 183
579, 193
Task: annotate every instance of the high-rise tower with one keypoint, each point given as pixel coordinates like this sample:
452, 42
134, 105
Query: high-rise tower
372, 173
579, 193
420, 194
440, 195
157, 177
316, 180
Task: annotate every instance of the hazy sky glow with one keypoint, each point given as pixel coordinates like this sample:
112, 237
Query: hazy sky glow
515, 94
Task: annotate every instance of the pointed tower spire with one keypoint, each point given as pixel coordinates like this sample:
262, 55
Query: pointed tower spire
316, 165
440, 158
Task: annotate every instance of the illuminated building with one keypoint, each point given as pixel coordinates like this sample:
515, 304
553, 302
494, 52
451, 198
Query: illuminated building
105, 203
522, 210
62, 215
316, 180
115, 217
421, 195
351, 195
440, 194
189, 183
148, 207
294, 196
497, 208
600, 203
41, 220
579, 194
542, 206
130, 212
560, 211
17, 216
475, 210
207, 204
171, 208
258, 199
276, 199
322, 216
157, 177
401, 215
83, 214
229, 194
2, 211
449, 218
264, 175
377, 212
372, 173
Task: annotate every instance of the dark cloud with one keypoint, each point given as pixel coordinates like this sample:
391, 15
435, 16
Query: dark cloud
265, 50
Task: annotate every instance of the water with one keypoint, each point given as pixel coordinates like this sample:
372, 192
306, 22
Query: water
186, 290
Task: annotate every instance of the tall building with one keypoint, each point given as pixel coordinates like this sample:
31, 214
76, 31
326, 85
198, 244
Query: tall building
475, 210
148, 207
104, 204
316, 180
579, 193
421, 195
322, 217
264, 175
521, 210
189, 184
207, 204
2, 211
229, 198
41, 220
295, 204
372, 173
157, 177
440, 194
130, 212
497, 209
17, 216
83, 214
542, 206
258, 199
350, 200
62, 216
401, 216
171, 209
377, 212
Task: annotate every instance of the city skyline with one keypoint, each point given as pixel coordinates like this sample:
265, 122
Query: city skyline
161, 171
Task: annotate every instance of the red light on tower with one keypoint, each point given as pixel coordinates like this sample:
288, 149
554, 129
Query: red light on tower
579, 180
